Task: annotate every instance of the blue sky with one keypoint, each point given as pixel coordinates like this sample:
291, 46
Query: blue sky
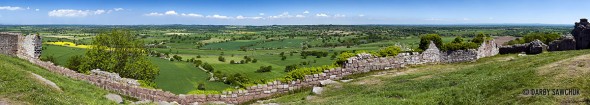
291, 12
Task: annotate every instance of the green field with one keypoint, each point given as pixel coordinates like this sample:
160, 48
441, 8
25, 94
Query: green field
494, 80
182, 77
61, 53
18, 86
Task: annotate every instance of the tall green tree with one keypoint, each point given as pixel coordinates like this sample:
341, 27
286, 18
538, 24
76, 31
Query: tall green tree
120, 51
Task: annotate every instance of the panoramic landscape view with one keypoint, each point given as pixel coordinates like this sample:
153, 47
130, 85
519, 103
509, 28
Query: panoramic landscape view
294, 52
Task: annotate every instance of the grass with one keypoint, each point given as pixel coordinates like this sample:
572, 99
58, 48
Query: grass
495, 80
232, 45
18, 86
61, 53
182, 77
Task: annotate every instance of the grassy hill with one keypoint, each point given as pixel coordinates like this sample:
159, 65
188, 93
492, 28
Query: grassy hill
494, 80
18, 86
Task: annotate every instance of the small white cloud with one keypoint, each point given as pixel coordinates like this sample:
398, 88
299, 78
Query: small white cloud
191, 15
118, 9
171, 12
240, 17
28, 8
434, 19
154, 14
322, 15
260, 13
217, 16
361, 15
282, 15
305, 12
466, 19
36, 9
98, 12
299, 16
11, 8
339, 15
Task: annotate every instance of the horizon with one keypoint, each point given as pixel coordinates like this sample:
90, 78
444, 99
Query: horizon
289, 12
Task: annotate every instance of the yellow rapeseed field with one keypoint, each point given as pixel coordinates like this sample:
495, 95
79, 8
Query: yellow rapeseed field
69, 44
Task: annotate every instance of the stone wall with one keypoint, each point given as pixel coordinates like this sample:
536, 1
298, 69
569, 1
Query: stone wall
362, 63
563, 44
534, 47
8, 43
16, 44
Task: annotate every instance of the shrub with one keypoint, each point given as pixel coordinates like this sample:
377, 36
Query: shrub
343, 57
201, 86
289, 68
177, 58
264, 69
198, 63
283, 58
221, 58
254, 60
74, 63
389, 51
232, 62
208, 67
425, 41
301, 72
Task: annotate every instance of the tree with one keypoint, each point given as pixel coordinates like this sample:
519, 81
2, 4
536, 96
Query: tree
74, 63
425, 41
479, 38
221, 58
264, 69
254, 60
208, 67
389, 51
201, 86
232, 62
289, 68
120, 51
458, 39
283, 58
177, 58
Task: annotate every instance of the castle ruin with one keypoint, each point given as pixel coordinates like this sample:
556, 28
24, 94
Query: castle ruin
16, 44
581, 33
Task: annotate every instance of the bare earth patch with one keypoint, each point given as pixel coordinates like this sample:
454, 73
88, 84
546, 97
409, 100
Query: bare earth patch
47, 82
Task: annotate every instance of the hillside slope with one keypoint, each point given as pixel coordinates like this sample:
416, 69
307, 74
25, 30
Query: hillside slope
495, 80
19, 86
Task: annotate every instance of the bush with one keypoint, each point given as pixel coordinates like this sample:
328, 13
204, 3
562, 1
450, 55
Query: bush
254, 60
74, 63
232, 62
343, 57
49, 58
264, 69
201, 86
177, 58
544, 37
301, 72
221, 58
208, 67
425, 41
198, 63
283, 58
389, 51
289, 68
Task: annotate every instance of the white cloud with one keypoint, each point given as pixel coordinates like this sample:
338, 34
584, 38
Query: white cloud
171, 12
98, 12
305, 12
28, 8
260, 13
154, 14
118, 9
11, 8
36, 9
299, 16
75, 13
191, 15
361, 15
339, 15
322, 15
216, 16
282, 15
69, 13
243, 17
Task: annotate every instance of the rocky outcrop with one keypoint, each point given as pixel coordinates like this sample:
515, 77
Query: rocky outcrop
581, 33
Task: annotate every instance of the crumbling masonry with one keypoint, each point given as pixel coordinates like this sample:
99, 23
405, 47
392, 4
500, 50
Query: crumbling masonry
15, 44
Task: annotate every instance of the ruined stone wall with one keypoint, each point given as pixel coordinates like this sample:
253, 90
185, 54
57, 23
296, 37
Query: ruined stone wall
362, 63
9, 43
15, 44
563, 44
